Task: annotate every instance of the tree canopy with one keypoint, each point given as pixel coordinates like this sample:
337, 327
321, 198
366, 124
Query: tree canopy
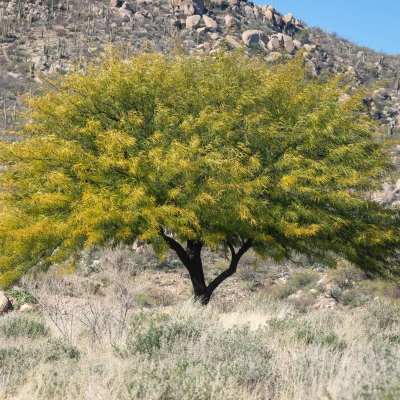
211, 151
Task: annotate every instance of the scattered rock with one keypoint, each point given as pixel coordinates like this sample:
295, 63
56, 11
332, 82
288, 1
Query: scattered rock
249, 11
288, 19
139, 18
190, 7
297, 44
210, 23
231, 40
277, 20
269, 15
193, 21
253, 37
25, 308
4, 303
231, 21
274, 43
125, 12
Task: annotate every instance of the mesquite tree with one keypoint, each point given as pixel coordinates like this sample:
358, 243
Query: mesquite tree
186, 152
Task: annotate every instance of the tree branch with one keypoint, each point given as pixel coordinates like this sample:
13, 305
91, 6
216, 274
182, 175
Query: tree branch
231, 248
232, 267
179, 250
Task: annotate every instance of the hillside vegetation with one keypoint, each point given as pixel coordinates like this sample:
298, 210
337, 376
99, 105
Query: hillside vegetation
261, 350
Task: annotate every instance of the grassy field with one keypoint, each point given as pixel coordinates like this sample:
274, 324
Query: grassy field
261, 350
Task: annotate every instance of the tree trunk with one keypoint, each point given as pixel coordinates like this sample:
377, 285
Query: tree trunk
191, 259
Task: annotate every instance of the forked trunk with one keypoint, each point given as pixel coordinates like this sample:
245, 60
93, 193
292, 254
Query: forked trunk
191, 259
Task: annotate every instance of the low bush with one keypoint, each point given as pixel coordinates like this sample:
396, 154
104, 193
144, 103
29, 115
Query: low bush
22, 296
57, 349
23, 326
297, 281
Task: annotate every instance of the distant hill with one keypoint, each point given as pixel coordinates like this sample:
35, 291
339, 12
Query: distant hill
42, 37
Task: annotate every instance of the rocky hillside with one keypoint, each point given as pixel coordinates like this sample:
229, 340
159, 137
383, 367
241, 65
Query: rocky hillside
42, 37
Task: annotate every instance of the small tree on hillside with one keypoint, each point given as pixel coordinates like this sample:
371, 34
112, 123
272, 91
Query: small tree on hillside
188, 152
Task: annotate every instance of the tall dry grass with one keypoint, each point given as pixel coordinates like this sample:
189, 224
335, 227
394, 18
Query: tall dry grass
262, 350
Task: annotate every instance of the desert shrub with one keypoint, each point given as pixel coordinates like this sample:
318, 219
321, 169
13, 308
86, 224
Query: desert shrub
247, 274
393, 293
93, 288
23, 326
298, 280
141, 300
15, 364
150, 339
363, 292
243, 349
382, 315
22, 296
195, 357
303, 303
57, 349
160, 297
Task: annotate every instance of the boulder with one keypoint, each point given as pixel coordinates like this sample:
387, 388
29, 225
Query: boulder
272, 57
310, 47
232, 41
257, 12
269, 15
176, 22
233, 2
254, 36
297, 44
210, 23
287, 42
249, 11
271, 8
139, 18
37, 61
193, 21
25, 308
231, 21
274, 43
217, 2
4, 303
190, 7
127, 6
114, 3
202, 30
288, 19
126, 13
277, 20
360, 54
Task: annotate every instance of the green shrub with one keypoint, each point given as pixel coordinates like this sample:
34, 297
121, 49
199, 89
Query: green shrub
141, 300
382, 315
151, 338
23, 326
298, 280
22, 296
57, 349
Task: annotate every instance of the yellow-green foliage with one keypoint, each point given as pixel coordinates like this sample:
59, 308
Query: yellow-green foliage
211, 149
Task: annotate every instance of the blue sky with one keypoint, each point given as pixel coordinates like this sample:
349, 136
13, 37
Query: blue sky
375, 24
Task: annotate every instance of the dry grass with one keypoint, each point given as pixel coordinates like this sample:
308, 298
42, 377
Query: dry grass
262, 350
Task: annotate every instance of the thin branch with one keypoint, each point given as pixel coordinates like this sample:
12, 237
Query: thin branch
232, 267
